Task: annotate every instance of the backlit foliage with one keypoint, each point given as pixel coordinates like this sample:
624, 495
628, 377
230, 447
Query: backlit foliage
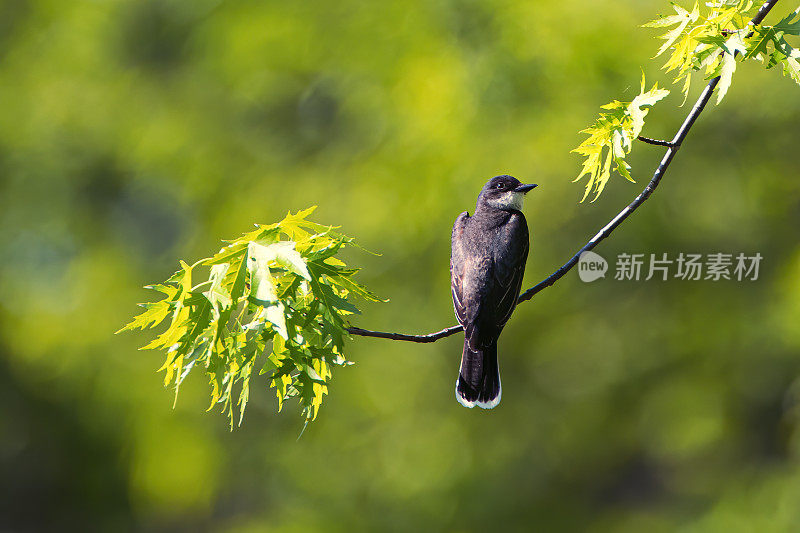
611, 138
710, 38
274, 301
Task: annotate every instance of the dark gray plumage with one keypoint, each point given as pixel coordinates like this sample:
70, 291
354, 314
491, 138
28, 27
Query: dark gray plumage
489, 250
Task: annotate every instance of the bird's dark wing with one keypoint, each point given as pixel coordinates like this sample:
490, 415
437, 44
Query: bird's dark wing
510, 257
471, 281
458, 263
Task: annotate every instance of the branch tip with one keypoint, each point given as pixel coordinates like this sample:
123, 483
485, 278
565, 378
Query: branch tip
657, 142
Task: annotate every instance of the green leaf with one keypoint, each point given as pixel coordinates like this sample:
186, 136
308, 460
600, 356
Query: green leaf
155, 313
636, 109
758, 44
262, 286
286, 256
227, 254
611, 138
217, 295
791, 68
342, 277
790, 24
770, 46
681, 21
727, 69
275, 314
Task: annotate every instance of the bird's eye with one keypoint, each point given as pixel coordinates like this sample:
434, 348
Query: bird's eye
499, 186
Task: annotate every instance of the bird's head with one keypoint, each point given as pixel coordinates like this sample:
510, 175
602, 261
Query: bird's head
504, 192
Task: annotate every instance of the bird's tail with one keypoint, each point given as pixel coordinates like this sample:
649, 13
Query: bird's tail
479, 377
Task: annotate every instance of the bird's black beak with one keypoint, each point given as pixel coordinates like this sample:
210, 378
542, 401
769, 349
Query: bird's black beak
524, 188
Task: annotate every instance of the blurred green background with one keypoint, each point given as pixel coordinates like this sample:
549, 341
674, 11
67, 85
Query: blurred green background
137, 132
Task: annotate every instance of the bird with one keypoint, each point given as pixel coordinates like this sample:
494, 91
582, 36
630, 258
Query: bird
487, 262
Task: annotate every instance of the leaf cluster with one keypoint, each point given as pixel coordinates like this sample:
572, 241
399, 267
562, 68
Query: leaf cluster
275, 300
769, 46
710, 38
705, 39
611, 138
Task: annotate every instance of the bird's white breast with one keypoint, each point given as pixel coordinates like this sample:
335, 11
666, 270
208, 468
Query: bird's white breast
508, 200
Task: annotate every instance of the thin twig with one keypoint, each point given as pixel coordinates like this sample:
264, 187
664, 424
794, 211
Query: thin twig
656, 142
430, 337
673, 145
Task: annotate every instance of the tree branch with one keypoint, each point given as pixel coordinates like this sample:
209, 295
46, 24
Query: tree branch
430, 337
673, 147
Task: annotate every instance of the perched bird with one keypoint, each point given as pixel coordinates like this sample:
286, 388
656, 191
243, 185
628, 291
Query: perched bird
489, 250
